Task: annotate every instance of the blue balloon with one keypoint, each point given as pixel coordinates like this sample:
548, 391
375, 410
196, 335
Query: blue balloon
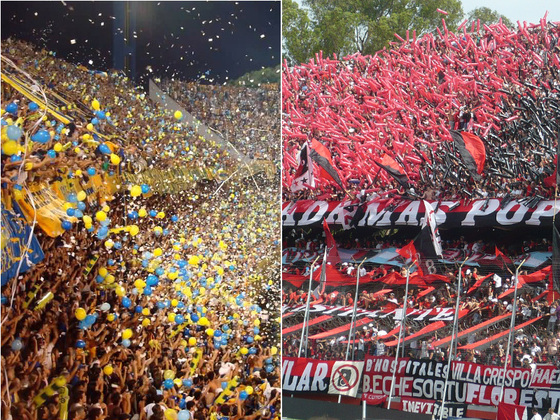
160, 305
179, 319
180, 305
91, 171
117, 245
194, 318
252, 350
269, 368
243, 395
153, 213
105, 222
51, 153
187, 383
15, 158
133, 215
79, 214
90, 320
147, 290
103, 231
81, 205
80, 344
71, 211
151, 280
33, 106
101, 115
126, 342
256, 330
17, 345
66, 225
94, 121
138, 309
126, 302
72, 198
183, 415
183, 402
103, 148
167, 303
217, 333
99, 279
41, 136
14, 132
4, 300
111, 261
12, 108
249, 339
174, 218
168, 383
145, 188
160, 271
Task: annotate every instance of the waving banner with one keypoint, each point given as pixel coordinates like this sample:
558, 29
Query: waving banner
388, 213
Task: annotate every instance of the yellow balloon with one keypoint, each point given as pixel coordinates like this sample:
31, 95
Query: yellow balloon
10, 147
146, 311
171, 317
170, 414
89, 126
257, 322
194, 260
274, 350
177, 382
136, 191
139, 284
57, 147
160, 215
111, 317
109, 279
134, 230
210, 332
100, 216
146, 322
178, 115
244, 350
95, 104
249, 390
108, 370
78, 172
169, 374
120, 291
127, 334
142, 212
174, 302
103, 271
115, 159
192, 341
81, 314
81, 195
158, 252
109, 243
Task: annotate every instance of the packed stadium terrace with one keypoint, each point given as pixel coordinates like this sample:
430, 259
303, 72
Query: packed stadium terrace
399, 108
385, 131
247, 117
147, 290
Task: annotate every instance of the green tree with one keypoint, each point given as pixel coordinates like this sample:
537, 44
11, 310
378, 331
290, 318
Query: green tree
345, 26
487, 16
297, 32
257, 78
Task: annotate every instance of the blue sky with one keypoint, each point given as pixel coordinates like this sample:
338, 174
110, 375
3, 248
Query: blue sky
531, 11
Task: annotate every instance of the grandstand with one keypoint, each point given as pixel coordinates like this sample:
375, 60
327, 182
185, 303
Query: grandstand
434, 165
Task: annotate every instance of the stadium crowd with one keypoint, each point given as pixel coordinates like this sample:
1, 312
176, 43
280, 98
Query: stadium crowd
155, 301
247, 117
498, 83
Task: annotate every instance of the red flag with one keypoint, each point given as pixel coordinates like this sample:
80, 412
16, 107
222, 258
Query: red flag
505, 258
332, 255
322, 157
511, 412
409, 252
394, 169
472, 151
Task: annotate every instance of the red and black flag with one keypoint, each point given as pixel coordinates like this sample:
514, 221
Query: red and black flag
555, 256
322, 157
394, 169
332, 253
472, 151
409, 253
428, 242
505, 259
303, 177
